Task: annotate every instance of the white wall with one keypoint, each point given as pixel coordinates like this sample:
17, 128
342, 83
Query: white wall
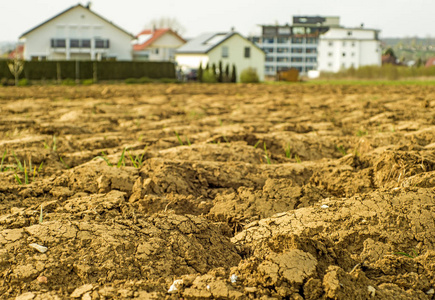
167, 45
191, 60
79, 23
236, 47
342, 48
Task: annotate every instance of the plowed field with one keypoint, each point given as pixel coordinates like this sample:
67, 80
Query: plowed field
217, 192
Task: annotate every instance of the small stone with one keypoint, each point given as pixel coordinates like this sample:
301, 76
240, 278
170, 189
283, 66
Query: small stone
87, 296
25, 296
233, 278
372, 291
430, 292
250, 289
78, 292
39, 248
42, 279
324, 206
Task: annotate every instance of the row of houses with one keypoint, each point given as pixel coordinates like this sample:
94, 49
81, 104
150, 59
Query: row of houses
310, 44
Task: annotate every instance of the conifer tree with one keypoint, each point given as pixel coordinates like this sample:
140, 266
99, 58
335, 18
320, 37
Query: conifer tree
234, 74
227, 73
221, 73
200, 72
213, 70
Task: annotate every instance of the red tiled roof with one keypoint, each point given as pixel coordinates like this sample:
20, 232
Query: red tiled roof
430, 62
18, 52
156, 34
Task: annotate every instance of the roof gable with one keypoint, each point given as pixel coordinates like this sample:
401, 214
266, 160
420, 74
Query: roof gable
78, 6
208, 41
154, 35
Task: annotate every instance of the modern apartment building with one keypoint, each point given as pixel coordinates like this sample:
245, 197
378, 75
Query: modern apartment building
344, 48
317, 43
293, 46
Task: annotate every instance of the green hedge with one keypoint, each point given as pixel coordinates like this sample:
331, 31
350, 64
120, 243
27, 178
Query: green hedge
106, 70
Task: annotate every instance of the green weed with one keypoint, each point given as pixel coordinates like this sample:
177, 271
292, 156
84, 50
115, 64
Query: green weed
298, 159
288, 151
121, 161
3, 159
105, 158
180, 141
341, 149
266, 154
361, 133
137, 161
256, 144
63, 162
414, 254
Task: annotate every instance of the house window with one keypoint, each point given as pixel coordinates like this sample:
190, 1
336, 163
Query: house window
298, 30
330, 44
74, 43
329, 53
256, 39
349, 33
311, 41
311, 50
86, 43
311, 59
225, 53
58, 43
353, 44
282, 59
268, 50
344, 44
329, 64
284, 30
268, 40
270, 58
297, 40
101, 44
353, 54
343, 54
247, 52
282, 50
156, 51
297, 50
270, 69
296, 59
282, 40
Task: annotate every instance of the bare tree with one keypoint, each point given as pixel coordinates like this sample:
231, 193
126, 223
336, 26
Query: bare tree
16, 66
167, 22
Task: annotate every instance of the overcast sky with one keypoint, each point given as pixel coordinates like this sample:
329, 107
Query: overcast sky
395, 18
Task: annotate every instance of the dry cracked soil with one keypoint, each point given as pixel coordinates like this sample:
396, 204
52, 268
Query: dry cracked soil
196, 191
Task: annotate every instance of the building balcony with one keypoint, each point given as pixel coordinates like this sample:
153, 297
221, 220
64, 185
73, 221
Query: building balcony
79, 45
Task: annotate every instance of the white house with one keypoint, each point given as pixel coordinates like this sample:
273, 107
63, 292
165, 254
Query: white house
230, 48
342, 48
157, 45
77, 33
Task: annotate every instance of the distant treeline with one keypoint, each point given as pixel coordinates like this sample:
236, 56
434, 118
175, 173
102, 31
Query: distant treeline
387, 71
96, 70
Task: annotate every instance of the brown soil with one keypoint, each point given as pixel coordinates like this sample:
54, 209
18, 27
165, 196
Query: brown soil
225, 192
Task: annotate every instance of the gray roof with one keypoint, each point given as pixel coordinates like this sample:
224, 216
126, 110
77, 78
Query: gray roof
207, 41
73, 7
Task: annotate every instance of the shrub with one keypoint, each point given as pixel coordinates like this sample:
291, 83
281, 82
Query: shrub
69, 81
145, 80
131, 81
23, 82
208, 76
249, 75
87, 82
